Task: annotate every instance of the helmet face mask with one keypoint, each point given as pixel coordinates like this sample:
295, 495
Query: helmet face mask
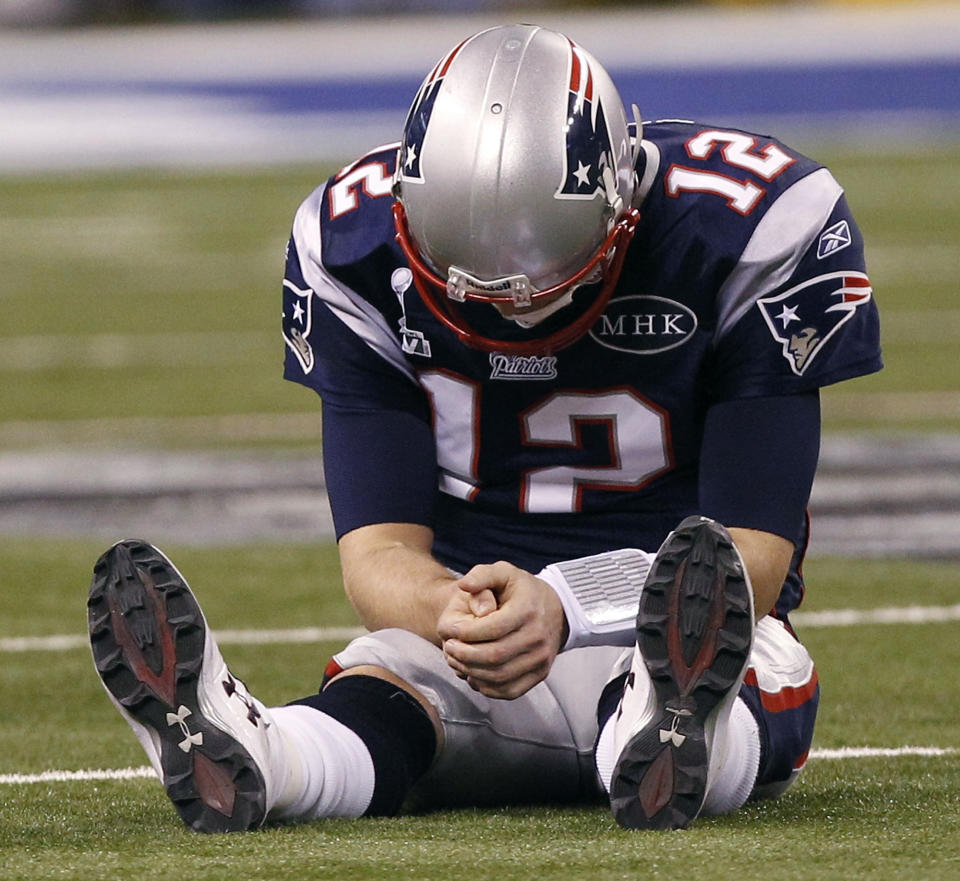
442, 295
514, 184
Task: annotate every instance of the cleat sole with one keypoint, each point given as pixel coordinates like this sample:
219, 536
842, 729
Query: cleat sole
694, 631
147, 636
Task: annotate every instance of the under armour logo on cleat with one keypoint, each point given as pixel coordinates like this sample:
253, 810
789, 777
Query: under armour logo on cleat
180, 718
671, 734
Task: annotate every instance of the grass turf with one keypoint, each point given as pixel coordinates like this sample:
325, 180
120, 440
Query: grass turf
869, 818
155, 295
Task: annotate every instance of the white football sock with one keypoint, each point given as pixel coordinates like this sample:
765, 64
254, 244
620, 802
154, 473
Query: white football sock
734, 762
336, 776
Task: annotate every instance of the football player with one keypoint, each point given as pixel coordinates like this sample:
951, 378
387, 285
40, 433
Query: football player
569, 368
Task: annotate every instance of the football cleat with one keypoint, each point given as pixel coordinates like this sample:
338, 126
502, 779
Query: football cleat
212, 744
694, 634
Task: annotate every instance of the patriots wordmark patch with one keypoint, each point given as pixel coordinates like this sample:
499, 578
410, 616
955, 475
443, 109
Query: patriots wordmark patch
804, 318
522, 367
297, 318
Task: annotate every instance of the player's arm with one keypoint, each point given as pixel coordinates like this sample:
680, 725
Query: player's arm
505, 624
757, 464
800, 318
500, 626
767, 559
381, 476
393, 580
378, 448
381, 473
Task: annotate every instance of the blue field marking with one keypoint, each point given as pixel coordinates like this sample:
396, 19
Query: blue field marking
327, 91
907, 87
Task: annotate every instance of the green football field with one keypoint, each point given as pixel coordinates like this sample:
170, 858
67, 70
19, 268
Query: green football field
141, 310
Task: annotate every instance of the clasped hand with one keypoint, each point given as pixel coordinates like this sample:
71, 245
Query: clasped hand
502, 629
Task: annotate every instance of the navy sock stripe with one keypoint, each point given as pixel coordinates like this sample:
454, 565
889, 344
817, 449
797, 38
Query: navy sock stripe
394, 727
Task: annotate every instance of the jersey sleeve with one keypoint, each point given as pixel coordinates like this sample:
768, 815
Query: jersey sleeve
798, 312
378, 449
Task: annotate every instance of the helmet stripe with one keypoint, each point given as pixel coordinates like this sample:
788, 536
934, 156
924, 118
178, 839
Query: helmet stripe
581, 77
444, 64
574, 68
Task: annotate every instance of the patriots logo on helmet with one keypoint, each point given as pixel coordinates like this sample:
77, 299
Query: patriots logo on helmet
589, 150
804, 318
419, 118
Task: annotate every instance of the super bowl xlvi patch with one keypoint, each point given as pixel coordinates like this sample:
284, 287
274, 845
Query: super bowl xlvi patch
804, 318
297, 318
413, 342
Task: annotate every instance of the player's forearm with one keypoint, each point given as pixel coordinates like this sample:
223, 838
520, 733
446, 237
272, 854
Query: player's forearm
392, 580
767, 558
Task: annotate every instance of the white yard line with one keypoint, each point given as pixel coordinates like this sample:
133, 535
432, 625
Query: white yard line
889, 615
146, 772
829, 618
67, 642
66, 776
872, 752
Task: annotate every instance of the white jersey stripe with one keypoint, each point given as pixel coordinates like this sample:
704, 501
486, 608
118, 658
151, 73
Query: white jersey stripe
777, 245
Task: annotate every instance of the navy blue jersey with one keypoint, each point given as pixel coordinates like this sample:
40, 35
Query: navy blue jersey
745, 279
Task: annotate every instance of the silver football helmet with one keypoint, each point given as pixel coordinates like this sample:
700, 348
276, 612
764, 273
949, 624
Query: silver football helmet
514, 184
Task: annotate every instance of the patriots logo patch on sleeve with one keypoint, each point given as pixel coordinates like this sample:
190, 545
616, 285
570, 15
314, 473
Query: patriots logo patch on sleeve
804, 318
297, 311
297, 318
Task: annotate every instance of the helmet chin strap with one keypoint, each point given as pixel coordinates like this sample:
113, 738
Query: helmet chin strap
537, 316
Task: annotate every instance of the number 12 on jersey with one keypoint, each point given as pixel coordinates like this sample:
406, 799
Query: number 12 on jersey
740, 151
637, 442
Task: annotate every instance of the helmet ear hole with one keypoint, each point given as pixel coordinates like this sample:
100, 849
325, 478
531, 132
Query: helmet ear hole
516, 166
